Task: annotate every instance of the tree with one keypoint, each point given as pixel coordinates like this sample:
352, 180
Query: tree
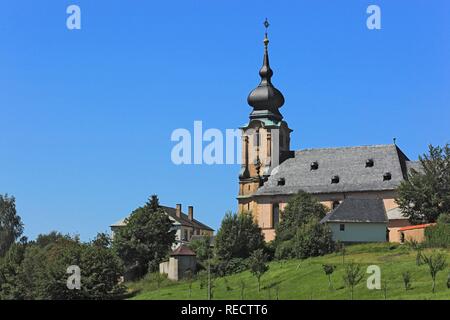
238, 236
438, 236
189, 275
407, 280
299, 210
11, 227
242, 287
258, 265
202, 248
38, 270
436, 262
300, 233
426, 193
352, 276
329, 269
154, 203
102, 240
145, 241
313, 239
10, 267
448, 281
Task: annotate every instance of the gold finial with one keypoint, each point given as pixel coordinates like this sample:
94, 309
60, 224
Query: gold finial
266, 39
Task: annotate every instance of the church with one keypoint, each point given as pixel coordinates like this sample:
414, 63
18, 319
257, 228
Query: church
357, 184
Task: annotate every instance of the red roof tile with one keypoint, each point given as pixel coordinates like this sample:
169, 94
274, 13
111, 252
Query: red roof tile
419, 226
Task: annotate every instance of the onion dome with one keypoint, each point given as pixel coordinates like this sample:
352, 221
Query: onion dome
265, 98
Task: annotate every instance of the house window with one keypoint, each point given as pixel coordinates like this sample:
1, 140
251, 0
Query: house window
281, 182
314, 165
342, 227
387, 176
275, 215
369, 163
186, 235
335, 179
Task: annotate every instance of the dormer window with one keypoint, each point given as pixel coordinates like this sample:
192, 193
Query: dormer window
387, 176
281, 182
335, 204
335, 179
369, 163
314, 165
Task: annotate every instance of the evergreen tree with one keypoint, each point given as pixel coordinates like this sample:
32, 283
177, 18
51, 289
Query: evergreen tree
146, 239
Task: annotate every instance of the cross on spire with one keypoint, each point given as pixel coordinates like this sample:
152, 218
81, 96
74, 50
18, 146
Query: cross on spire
266, 39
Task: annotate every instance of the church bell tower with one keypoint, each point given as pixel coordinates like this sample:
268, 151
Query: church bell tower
265, 138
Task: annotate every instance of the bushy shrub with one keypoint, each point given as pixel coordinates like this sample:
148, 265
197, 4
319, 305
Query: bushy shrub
235, 265
38, 270
285, 250
239, 235
313, 239
438, 236
299, 210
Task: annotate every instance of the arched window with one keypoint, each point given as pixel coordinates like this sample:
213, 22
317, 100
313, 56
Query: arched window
275, 214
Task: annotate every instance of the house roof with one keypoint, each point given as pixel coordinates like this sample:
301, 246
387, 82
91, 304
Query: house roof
418, 226
396, 214
171, 212
183, 251
348, 163
184, 220
358, 210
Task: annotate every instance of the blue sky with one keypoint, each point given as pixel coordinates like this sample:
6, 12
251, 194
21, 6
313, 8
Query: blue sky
86, 115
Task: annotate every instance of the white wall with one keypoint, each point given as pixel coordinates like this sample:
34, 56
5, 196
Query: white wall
359, 232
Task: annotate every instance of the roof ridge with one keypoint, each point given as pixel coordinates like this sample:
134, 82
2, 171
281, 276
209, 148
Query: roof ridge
348, 147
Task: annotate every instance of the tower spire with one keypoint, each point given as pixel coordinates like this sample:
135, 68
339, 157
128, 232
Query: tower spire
265, 98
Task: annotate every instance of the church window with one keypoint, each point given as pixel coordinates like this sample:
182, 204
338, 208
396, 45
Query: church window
387, 176
314, 165
275, 215
335, 179
281, 182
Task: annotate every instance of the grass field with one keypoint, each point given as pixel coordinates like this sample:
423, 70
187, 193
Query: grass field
305, 279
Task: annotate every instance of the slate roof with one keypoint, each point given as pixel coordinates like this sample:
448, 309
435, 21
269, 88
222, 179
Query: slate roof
349, 163
358, 210
171, 212
396, 214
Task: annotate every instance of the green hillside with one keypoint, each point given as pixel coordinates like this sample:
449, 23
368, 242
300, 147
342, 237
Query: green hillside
305, 279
